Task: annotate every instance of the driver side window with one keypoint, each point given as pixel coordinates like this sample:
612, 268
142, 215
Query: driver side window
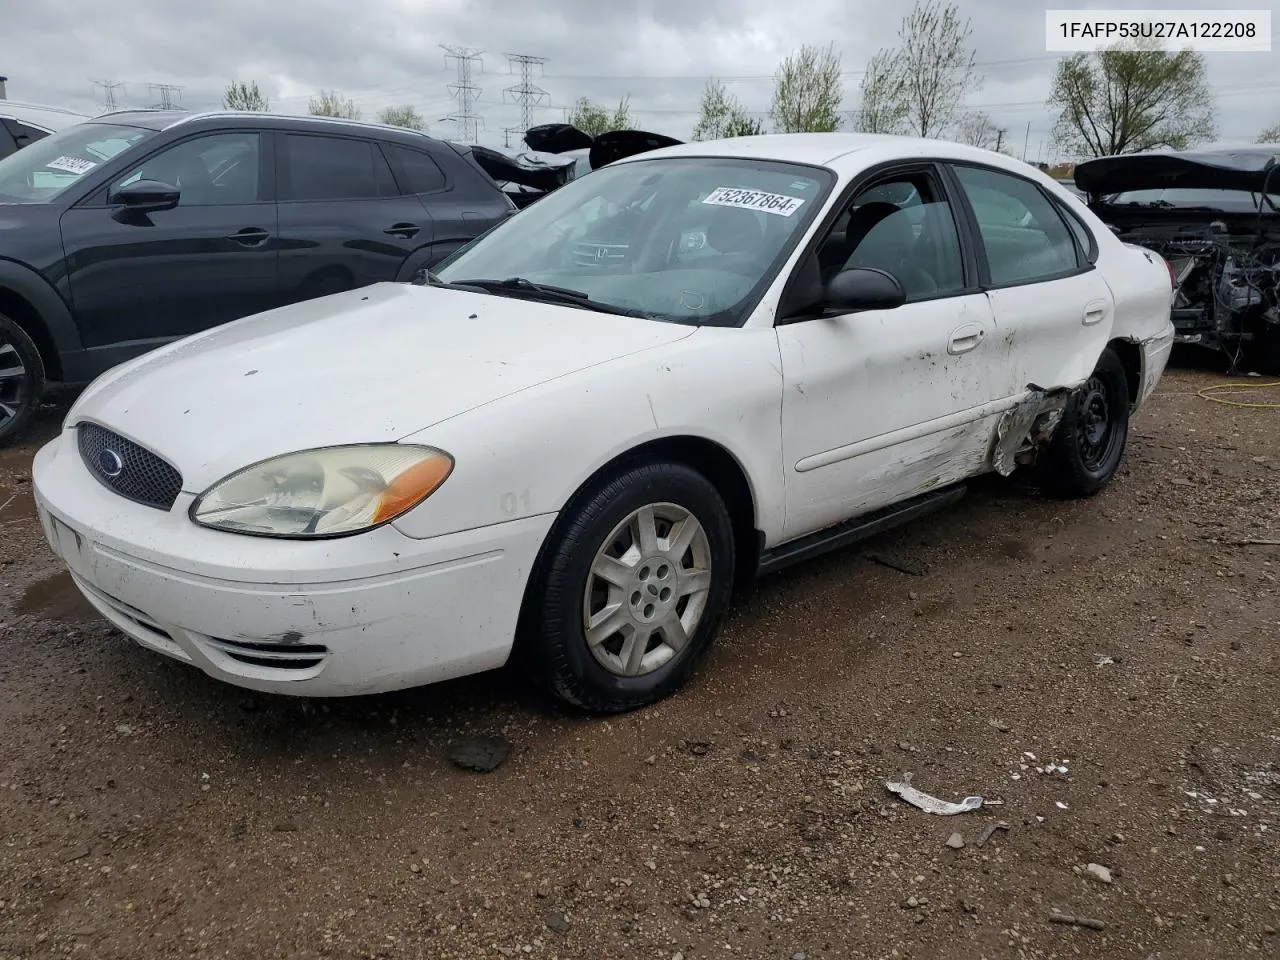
904, 226
216, 170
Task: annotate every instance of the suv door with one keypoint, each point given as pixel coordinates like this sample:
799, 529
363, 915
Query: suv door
343, 220
1051, 304
460, 204
882, 405
141, 279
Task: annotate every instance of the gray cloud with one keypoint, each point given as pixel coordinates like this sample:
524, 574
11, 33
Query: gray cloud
658, 52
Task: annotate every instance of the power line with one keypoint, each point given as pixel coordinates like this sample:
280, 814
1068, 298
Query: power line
525, 92
108, 92
166, 90
465, 91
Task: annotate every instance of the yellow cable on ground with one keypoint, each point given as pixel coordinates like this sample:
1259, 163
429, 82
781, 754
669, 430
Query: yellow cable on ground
1205, 393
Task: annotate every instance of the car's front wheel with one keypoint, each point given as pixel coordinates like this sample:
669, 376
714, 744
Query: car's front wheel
631, 589
21, 379
1085, 450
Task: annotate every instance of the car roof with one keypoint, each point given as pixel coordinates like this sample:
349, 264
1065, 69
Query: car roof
168, 119
41, 115
843, 152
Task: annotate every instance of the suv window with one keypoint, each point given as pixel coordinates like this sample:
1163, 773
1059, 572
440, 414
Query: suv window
903, 226
46, 168
1022, 231
335, 168
23, 133
421, 173
213, 170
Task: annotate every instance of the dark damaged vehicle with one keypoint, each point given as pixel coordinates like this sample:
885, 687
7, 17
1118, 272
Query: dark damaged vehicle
1214, 215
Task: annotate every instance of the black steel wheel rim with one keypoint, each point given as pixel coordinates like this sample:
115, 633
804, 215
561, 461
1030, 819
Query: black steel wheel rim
13, 382
1095, 432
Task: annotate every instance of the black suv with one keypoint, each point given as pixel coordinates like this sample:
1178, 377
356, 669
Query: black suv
134, 229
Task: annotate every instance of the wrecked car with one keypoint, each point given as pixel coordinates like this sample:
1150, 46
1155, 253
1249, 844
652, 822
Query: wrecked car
1214, 215
792, 343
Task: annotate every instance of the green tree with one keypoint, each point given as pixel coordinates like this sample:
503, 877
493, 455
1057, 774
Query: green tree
244, 96
1129, 98
405, 116
1270, 135
882, 107
723, 116
935, 67
332, 104
593, 119
807, 93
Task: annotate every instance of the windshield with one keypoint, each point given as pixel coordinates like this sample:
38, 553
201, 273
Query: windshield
688, 239
1225, 200
41, 171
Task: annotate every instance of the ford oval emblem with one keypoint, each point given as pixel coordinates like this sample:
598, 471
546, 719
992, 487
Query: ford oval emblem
110, 464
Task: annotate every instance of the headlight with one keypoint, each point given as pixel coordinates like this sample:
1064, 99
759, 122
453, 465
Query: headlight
329, 492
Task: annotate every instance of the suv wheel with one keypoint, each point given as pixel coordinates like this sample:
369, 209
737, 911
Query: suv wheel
21, 379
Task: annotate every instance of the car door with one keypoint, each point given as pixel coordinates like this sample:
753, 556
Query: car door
143, 278
1051, 304
343, 220
881, 405
438, 179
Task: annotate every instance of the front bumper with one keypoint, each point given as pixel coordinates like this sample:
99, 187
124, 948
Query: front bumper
364, 614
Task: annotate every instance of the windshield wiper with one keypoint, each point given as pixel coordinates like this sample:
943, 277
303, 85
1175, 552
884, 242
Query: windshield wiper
522, 287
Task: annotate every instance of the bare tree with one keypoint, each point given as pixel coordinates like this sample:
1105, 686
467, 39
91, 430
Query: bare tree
406, 116
936, 66
882, 108
722, 116
1129, 98
1270, 135
332, 104
806, 93
593, 119
244, 96
977, 129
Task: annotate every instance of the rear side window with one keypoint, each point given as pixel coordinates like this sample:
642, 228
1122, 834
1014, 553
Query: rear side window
1022, 231
421, 173
335, 168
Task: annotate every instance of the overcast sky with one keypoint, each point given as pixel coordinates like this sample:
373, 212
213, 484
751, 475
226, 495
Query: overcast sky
660, 52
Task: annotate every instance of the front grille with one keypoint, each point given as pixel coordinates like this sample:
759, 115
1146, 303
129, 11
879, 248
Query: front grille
273, 656
128, 469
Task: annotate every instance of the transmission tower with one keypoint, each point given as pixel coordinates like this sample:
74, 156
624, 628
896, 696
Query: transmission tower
465, 92
166, 90
526, 93
506, 135
108, 92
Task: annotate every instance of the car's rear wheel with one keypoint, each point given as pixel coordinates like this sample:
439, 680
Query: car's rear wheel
1088, 444
631, 589
21, 379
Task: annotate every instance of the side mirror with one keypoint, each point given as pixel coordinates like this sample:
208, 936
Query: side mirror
864, 288
146, 196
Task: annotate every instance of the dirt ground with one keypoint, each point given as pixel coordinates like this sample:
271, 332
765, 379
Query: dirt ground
1108, 670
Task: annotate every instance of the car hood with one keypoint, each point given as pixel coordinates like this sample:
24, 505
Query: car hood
370, 365
1244, 169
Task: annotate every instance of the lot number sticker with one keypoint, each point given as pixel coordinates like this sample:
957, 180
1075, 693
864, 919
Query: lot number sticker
71, 165
776, 203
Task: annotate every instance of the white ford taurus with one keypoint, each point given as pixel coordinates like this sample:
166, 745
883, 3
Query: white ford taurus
680, 370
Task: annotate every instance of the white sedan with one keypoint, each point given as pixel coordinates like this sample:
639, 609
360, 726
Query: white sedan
684, 369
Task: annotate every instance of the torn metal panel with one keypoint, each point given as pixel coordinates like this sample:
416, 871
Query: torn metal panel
1021, 430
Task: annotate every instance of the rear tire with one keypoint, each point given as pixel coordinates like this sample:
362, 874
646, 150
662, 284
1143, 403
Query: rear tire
630, 589
21, 379
1086, 448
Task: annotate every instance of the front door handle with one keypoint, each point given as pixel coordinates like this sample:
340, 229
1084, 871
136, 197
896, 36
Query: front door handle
1094, 311
965, 338
249, 236
405, 229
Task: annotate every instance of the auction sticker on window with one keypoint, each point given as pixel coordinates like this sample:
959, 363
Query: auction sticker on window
71, 165
777, 203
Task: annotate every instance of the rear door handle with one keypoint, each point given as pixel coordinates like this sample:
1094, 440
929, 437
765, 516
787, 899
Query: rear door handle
1094, 312
249, 236
405, 229
965, 338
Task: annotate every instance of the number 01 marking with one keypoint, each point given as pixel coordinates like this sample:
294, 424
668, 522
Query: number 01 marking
513, 503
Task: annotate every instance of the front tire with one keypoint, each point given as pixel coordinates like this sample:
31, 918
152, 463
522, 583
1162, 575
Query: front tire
630, 589
21, 379
1086, 448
